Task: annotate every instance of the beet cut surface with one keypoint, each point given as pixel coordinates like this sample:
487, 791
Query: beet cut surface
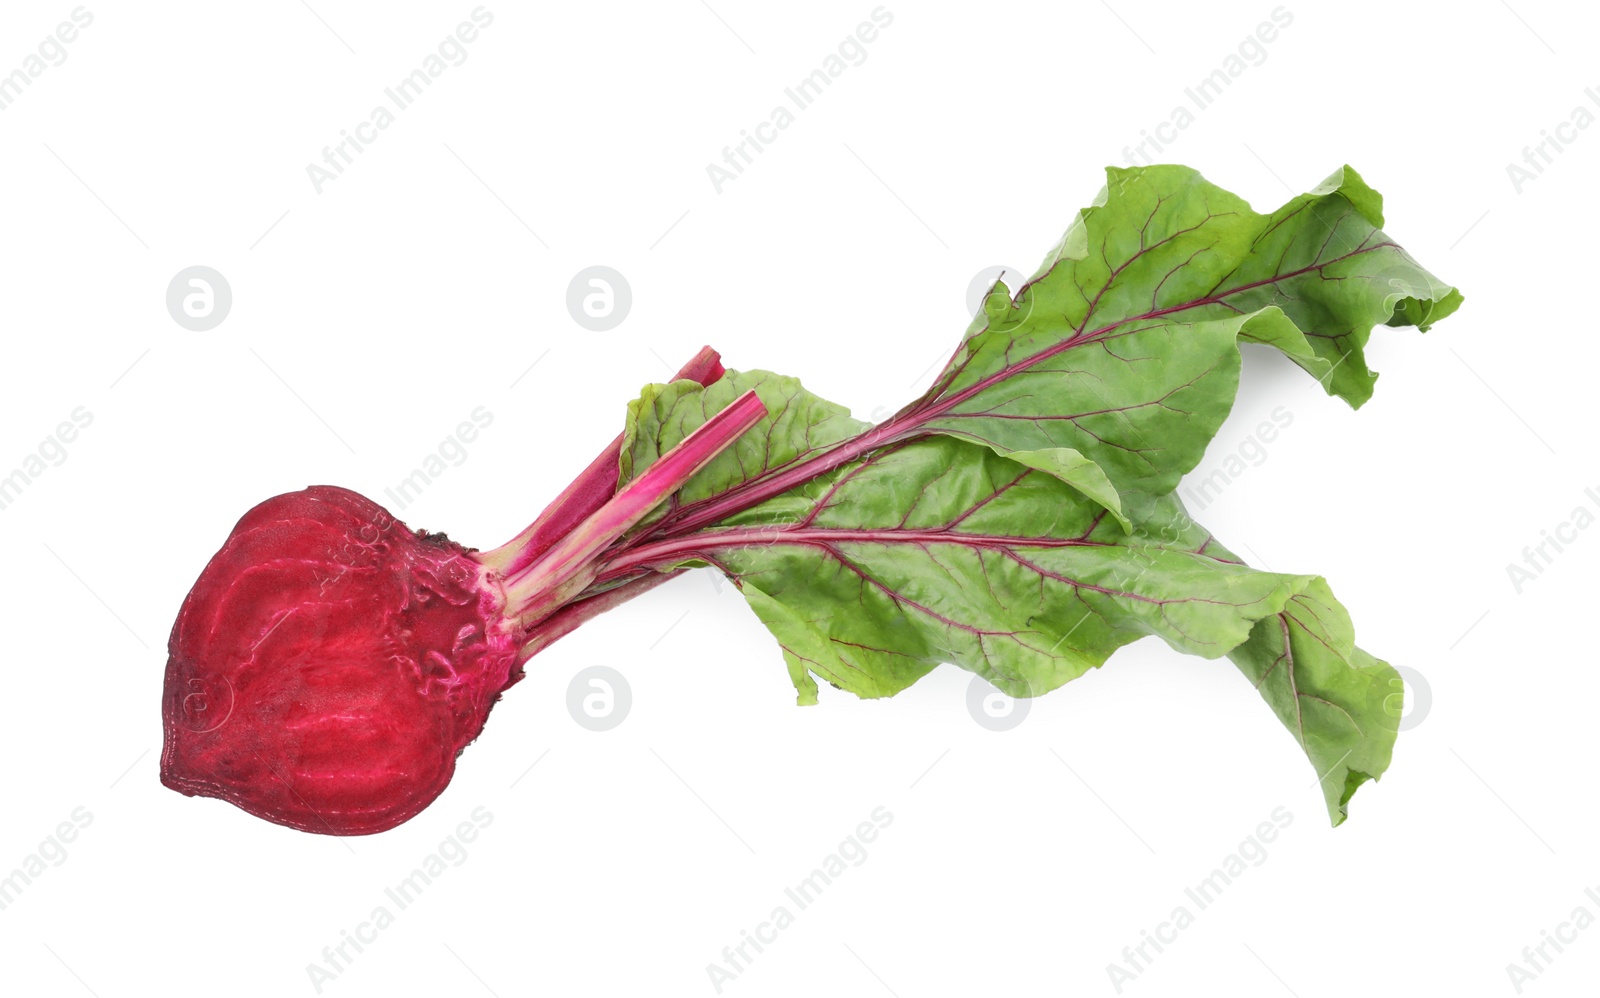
330, 664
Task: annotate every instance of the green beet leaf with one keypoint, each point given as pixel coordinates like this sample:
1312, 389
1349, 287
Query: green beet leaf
1019, 519
1123, 347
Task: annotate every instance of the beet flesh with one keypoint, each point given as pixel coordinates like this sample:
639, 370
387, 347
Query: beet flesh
330, 664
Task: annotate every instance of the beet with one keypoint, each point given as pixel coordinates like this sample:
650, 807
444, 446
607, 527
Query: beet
330, 664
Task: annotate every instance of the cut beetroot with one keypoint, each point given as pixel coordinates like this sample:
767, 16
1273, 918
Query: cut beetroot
330, 664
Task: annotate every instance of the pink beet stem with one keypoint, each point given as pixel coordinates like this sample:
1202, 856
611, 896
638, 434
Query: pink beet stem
587, 493
567, 567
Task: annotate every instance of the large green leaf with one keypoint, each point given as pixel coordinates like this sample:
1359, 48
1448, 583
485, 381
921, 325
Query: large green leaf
939, 550
1123, 348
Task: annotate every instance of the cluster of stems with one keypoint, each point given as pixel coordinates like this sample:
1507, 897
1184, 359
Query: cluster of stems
578, 560
550, 571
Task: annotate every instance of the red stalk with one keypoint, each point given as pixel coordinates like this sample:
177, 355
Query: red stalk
587, 493
568, 566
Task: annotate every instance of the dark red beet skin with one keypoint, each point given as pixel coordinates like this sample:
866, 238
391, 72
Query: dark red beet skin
330, 664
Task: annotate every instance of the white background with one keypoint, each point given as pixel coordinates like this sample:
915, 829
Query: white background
369, 319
